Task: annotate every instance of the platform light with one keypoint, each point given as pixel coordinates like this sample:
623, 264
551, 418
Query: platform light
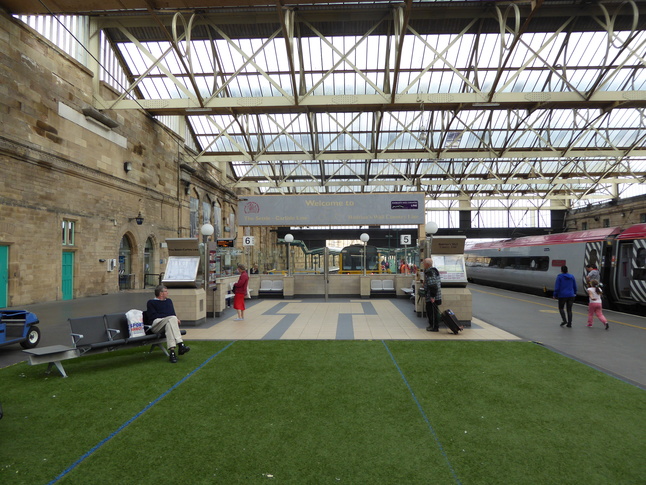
206, 230
289, 239
364, 239
430, 228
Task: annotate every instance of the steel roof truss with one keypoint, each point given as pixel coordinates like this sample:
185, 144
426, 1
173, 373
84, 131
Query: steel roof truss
439, 56
249, 60
344, 58
156, 63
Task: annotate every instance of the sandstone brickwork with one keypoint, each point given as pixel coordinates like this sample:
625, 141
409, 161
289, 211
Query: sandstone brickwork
59, 166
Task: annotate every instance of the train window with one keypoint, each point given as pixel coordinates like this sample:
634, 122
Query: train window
473, 260
639, 270
534, 263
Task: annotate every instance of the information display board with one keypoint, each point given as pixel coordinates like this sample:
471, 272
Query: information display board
452, 268
181, 271
183, 263
448, 257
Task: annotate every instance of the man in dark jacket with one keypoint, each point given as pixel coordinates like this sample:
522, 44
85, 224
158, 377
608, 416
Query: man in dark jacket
565, 291
433, 291
161, 313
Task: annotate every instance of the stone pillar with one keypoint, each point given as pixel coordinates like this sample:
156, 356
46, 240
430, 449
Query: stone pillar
190, 305
364, 286
288, 287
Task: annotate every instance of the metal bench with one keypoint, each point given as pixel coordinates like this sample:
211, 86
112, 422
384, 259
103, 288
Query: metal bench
271, 287
382, 287
100, 333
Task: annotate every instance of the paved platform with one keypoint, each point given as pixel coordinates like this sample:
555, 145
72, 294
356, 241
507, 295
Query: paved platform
335, 319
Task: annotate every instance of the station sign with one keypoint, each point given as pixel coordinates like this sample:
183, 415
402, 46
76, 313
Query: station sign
332, 209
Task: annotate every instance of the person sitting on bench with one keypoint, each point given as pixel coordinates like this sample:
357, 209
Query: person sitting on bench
161, 313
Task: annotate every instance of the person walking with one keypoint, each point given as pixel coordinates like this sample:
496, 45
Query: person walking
433, 294
565, 291
592, 273
594, 306
240, 292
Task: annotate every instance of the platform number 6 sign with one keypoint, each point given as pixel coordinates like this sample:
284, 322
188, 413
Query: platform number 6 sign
248, 241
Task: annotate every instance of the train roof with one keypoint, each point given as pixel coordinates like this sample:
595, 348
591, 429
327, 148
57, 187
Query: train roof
638, 231
560, 238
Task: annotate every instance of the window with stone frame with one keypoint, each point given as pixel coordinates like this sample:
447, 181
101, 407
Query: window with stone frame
194, 216
67, 232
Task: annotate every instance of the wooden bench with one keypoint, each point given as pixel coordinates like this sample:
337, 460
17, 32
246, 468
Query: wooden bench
100, 333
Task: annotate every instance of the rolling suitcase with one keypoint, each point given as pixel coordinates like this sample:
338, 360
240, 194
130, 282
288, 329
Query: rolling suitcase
451, 321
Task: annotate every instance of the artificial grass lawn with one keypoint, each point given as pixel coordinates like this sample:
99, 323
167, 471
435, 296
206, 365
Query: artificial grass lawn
315, 412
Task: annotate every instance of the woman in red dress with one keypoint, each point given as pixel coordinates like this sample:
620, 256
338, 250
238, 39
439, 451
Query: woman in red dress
240, 291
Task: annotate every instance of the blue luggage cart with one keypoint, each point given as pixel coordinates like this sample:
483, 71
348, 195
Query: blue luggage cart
19, 327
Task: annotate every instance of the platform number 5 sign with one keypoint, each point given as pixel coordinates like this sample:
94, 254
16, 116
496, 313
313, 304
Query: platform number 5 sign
405, 239
248, 241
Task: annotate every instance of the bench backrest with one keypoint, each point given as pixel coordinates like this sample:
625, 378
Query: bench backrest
389, 285
91, 329
118, 321
277, 285
265, 285
376, 285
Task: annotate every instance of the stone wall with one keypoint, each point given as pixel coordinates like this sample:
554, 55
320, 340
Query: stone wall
59, 166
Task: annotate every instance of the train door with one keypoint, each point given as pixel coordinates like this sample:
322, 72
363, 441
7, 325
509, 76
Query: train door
593, 253
637, 270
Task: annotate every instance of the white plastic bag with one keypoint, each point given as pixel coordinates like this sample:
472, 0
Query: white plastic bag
136, 323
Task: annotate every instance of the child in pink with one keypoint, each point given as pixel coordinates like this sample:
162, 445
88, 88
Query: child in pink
594, 306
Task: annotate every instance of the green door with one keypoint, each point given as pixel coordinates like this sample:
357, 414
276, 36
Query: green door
4, 275
68, 275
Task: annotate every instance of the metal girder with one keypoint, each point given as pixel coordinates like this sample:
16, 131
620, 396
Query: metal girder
529, 101
403, 155
515, 118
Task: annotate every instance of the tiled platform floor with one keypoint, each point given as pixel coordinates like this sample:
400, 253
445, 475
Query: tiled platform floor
344, 320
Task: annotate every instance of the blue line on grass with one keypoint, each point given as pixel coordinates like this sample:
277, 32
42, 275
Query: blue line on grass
96, 447
421, 410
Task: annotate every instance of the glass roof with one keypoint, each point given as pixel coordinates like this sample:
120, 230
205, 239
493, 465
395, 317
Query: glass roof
460, 100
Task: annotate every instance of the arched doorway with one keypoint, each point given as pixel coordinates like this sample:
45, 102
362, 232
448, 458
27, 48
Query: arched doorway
150, 277
126, 277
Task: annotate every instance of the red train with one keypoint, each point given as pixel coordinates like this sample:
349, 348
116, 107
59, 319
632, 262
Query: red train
532, 263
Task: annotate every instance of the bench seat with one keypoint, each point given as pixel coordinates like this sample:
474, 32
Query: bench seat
382, 287
271, 287
95, 334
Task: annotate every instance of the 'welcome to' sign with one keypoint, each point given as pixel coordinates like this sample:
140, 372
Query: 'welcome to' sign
317, 210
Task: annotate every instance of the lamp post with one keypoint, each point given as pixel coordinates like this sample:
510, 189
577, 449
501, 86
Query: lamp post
364, 239
289, 239
430, 228
206, 230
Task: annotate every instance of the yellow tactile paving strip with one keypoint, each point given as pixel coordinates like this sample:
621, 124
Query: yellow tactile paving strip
313, 320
